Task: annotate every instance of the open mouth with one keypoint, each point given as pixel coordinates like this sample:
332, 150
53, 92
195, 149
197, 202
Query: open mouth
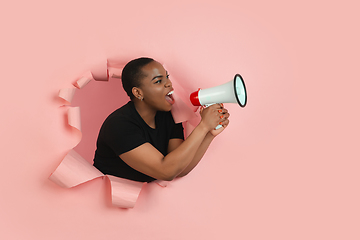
169, 97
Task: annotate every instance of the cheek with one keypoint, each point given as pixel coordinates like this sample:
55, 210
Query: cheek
154, 92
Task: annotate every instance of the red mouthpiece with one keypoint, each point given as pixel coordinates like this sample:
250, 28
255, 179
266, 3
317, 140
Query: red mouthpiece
194, 98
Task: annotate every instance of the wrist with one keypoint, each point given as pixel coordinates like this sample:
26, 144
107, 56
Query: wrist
203, 127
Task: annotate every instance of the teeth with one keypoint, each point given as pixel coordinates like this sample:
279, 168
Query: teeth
170, 93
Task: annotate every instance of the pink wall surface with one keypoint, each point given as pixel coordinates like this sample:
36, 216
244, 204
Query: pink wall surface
287, 167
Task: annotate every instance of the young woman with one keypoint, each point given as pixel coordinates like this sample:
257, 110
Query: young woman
140, 141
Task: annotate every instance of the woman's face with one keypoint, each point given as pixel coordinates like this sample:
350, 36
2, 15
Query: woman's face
156, 87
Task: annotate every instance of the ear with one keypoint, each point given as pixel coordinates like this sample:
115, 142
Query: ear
137, 92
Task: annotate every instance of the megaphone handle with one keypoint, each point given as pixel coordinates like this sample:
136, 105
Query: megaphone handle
208, 105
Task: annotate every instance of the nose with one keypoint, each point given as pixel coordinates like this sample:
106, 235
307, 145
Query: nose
168, 83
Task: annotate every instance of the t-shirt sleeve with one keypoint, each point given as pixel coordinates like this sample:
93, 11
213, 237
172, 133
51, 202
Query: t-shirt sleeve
177, 132
123, 136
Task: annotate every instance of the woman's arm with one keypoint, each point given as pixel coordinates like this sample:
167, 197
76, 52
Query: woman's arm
174, 143
148, 160
199, 154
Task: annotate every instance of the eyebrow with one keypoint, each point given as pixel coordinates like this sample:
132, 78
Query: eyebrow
159, 76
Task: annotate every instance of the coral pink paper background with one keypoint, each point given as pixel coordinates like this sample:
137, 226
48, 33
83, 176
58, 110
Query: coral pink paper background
287, 167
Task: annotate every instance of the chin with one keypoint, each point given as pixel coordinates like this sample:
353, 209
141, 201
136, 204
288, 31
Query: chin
164, 106
167, 108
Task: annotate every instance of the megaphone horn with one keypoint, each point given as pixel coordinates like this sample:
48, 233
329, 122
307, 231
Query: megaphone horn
230, 92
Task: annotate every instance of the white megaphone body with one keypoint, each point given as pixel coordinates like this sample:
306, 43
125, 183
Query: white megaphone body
230, 92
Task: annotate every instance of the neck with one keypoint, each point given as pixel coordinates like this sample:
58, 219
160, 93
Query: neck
146, 113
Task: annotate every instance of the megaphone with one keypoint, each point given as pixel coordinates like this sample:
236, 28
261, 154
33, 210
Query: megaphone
230, 92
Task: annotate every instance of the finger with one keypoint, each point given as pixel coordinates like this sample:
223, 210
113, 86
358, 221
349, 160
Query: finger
216, 132
215, 106
226, 115
224, 122
224, 110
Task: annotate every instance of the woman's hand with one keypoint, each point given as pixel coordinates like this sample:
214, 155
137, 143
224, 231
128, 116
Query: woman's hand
213, 116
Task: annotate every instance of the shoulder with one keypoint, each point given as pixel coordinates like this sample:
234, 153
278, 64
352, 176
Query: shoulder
127, 109
123, 117
123, 113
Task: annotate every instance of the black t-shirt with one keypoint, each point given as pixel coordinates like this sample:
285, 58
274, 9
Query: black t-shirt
124, 130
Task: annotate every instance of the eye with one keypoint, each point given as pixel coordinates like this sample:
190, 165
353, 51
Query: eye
158, 81
167, 76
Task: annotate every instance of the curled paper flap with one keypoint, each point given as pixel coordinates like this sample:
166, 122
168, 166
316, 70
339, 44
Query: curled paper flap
114, 72
100, 72
191, 124
180, 110
183, 95
115, 68
74, 117
67, 94
124, 192
74, 170
84, 80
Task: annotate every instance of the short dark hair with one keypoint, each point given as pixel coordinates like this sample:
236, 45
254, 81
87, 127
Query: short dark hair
131, 74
